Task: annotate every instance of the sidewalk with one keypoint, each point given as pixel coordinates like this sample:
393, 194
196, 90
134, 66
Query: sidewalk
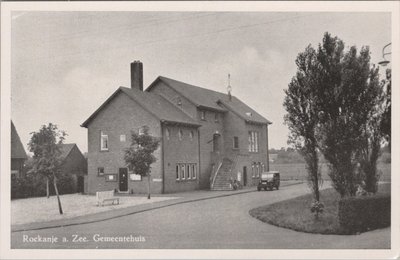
184, 197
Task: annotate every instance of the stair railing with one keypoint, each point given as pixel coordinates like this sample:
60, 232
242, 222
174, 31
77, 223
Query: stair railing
215, 174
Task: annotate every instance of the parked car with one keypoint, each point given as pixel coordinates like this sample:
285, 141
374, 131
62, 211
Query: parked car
269, 180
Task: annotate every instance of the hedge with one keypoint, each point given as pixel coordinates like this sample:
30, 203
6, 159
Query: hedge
364, 213
35, 186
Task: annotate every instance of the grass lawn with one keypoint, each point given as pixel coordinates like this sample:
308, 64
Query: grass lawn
295, 213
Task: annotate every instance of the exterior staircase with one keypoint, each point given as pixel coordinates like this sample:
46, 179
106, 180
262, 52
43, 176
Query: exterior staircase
223, 176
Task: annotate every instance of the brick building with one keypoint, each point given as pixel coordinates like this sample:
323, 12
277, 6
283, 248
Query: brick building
74, 164
18, 154
207, 138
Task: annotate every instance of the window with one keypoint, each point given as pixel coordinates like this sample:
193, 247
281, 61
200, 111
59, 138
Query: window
167, 134
141, 131
103, 142
122, 138
216, 118
253, 141
180, 134
111, 177
179, 102
182, 171
186, 171
235, 142
258, 170
194, 169
203, 115
191, 135
100, 171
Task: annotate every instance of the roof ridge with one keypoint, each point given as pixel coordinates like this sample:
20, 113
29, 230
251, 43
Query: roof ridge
211, 90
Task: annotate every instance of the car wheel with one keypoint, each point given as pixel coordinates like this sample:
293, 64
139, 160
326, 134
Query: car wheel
277, 187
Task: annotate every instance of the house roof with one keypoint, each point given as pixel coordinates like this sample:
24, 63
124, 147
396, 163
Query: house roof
211, 99
17, 149
158, 106
65, 149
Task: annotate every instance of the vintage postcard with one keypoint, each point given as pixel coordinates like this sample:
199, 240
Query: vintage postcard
234, 130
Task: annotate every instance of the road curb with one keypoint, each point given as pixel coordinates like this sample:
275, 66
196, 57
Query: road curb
41, 226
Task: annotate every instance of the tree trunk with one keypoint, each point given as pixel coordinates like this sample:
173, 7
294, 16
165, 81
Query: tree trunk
148, 186
47, 187
58, 196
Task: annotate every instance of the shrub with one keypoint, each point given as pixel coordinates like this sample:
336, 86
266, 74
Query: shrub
364, 213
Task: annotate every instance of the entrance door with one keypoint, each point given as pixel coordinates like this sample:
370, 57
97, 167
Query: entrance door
244, 176
123, 179
216, 142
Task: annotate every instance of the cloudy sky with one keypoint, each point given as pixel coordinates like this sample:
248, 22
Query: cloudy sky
65, 64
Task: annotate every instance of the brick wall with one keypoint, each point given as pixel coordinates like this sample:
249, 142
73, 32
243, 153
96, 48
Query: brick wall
176, 151
119, 117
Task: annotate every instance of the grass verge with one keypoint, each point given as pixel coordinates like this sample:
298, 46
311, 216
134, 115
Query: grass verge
295, 213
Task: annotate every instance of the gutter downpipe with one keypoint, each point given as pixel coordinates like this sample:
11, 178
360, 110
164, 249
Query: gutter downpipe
162, 158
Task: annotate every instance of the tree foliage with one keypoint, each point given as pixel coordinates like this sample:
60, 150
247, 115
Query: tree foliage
334, 105
46, 159
302, 115
139, 156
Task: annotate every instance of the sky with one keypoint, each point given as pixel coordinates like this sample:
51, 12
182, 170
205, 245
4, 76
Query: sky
64, 65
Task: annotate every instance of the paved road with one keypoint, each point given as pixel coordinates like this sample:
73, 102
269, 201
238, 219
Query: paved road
210, 224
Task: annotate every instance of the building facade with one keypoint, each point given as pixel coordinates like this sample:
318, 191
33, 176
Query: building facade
75, 165
208, 138
18, 154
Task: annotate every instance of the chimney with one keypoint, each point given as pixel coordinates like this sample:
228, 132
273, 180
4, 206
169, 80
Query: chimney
137, 75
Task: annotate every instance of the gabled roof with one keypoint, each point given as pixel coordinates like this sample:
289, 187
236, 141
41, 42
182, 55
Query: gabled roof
65, 149
17, 149
211, 99
158, 106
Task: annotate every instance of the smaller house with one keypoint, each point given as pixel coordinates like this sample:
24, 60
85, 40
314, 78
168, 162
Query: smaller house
18, 154
74, 164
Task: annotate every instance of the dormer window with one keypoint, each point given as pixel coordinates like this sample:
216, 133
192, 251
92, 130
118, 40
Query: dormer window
249, 114
179, 102
203, 115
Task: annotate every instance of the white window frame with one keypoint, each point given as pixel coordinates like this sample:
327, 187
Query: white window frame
183, 172
102, 138
122, 138
194, 171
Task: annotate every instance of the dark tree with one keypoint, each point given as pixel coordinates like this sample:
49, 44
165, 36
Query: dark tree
302, 115
387, 114
139, 156
46, 160
347, 87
